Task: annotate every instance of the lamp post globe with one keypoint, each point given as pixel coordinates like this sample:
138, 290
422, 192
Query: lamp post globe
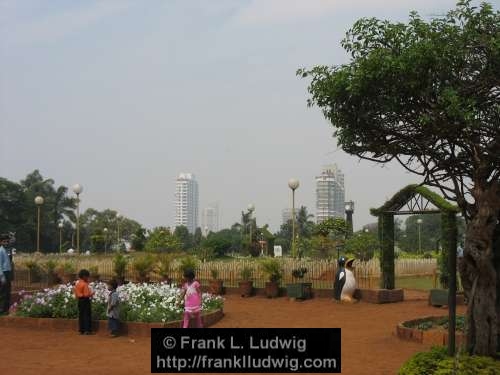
251, 207
293, 183
77, 189
38, 201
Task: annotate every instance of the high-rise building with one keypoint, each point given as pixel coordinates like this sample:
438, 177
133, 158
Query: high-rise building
330, 193
210, 219
186, 201
286, 215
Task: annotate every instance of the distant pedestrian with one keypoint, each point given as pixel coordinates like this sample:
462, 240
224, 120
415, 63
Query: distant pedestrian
84, 294
192, 299
113, 311
5, 275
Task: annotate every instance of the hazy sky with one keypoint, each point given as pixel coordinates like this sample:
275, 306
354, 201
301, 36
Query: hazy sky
121, 96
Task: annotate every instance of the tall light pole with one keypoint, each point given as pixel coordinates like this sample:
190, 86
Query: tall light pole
60, 226
293, 184
419, 223
105, 230
77, 189
38, 201
118, 216
251, 209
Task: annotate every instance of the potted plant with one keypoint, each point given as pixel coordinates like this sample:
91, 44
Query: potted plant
94, 273
216, 284
299, 290
246, 283
120, 263
34, 271
67, 272
274, 271
163, 268
143, 266
50, 267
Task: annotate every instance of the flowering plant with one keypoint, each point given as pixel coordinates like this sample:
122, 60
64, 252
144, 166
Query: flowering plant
138, 302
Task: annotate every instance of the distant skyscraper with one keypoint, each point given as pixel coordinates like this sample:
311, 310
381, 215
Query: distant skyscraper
186, 201
330, 193
210, 219
286, 215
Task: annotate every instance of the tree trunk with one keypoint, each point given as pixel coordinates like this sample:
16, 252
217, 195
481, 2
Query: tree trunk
479, 277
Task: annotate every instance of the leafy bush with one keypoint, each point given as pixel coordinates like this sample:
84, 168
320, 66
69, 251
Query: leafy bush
66, 268
299, 272
214, 273
163, 265
143, 265
436, 362
246, 273
120, 262
188, 262
273, 269
94, 271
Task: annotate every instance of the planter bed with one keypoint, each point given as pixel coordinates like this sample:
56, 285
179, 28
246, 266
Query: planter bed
380, 295
431, 336
100, 326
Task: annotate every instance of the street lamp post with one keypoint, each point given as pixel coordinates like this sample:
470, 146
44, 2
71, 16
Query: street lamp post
419, 223
293, 184
105, 230
349, 209
77, 189
251, 209
38, 201
60, 226
118, 216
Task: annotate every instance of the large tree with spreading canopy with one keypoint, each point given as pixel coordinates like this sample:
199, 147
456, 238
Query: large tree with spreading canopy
427, 95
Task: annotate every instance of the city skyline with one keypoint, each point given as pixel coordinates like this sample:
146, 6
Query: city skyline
186, 202
125, 94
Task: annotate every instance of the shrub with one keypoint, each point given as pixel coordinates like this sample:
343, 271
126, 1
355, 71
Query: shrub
143, 265
299, 272
436, 362
67, 268
246, 273
188, 262
120, 265
50, 266
94, 271
164, 262
214, 272
273, 269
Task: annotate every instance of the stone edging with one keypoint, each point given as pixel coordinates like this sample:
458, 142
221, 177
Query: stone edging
428, 337
138, 329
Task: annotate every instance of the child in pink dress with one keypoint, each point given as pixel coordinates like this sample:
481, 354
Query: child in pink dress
192, 299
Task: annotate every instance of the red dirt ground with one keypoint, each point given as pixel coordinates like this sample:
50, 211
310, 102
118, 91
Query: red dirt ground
369, 344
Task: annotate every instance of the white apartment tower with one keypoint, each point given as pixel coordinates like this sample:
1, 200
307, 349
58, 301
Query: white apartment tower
330, 193
210, 219
186, 201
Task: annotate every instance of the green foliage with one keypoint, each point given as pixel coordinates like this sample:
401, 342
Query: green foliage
362, 245
50, 266
335, 227
184, 237
139, 239
120, 263
436, 362
67, 268
299, 273
160, 239
386, 235
94, 271
164, 264
221, 242
424, 362
188, 262
143, 265
205, 253
214, 273
246, 273
273, 269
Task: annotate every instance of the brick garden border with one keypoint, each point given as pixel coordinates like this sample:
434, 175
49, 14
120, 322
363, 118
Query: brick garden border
428, 337
100, 326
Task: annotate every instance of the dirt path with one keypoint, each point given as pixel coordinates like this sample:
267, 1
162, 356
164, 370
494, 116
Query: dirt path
369, 345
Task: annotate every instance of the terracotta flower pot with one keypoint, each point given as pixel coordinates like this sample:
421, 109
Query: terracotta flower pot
246, 288
216, 287
272, 289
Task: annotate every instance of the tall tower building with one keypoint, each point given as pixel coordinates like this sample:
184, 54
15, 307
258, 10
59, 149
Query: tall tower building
330, 193
210, 219
186, 201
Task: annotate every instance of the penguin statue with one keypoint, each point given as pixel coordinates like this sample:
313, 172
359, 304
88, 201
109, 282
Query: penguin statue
345, 283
